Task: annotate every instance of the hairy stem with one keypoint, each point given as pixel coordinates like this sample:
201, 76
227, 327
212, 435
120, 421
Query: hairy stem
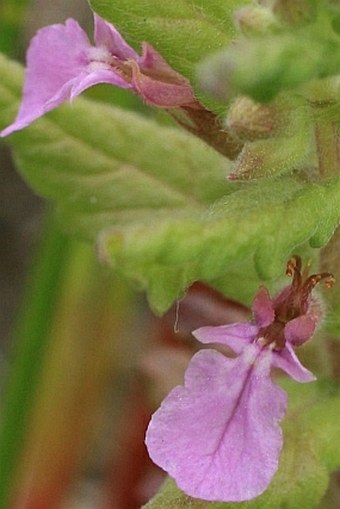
326, 137
205, 125
327, 144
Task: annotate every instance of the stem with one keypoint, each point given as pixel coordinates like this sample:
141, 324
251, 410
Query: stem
30, 343
205, 124
329, 257
327, 144
326, 137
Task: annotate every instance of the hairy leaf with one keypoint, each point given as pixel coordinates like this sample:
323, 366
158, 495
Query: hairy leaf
156, 200
267, 220
108, 166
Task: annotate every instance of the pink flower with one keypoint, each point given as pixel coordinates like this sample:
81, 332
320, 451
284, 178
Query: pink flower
61, 64
219, 435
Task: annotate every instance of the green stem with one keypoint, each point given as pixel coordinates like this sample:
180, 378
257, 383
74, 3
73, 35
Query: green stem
326, 136
30, 343
327, 143
329, 262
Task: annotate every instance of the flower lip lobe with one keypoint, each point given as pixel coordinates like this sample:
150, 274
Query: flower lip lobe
219, 435
55, 58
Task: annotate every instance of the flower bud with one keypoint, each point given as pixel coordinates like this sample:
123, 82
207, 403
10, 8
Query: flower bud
250, 120
255, 20
287, 149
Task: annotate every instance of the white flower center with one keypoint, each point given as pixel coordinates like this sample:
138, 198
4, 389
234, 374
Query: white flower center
100, 58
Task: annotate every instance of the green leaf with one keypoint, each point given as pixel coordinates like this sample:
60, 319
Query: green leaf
156, 200
267, 220
170, 497
104, 166
311, 452
182, 31
291, 147
107, 166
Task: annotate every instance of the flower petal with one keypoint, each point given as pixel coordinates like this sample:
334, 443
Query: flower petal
237, 336
218, 436
158, 83
263, 308
299, 330
287, 360
107, 36
154, 65
87, 80
56, 56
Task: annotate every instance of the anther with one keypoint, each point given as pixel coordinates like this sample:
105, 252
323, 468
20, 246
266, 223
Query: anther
294, 265
315, 279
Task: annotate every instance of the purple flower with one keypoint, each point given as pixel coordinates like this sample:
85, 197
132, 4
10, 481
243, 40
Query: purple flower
219, 435
62, 63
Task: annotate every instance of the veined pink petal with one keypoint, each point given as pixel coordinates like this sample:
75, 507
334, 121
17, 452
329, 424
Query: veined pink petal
159, 84
302, 328
237, 336
282, 296
263, 308
153, 64
107, 36
287, 360
56, 57
159, 92
219, 435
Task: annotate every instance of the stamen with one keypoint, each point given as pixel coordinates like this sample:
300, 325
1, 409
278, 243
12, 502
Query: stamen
330, 281
261, 341
306, 270
315, 279
294, 265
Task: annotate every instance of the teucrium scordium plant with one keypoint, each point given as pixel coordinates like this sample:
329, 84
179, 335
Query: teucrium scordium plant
166, 225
